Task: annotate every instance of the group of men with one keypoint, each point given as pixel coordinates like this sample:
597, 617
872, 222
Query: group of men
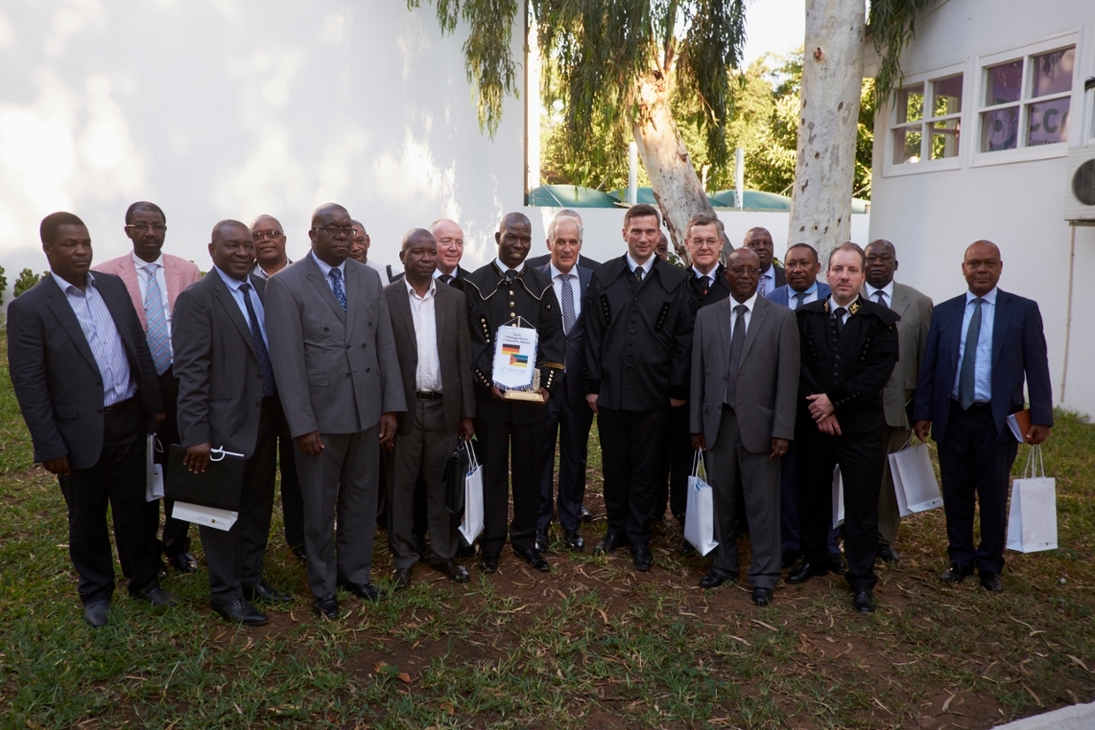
777, 377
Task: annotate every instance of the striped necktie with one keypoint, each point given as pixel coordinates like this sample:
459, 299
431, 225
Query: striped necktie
158, 340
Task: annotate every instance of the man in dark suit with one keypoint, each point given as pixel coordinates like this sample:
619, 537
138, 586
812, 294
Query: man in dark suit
771, 274
497, 294
430, 326
334, 360
569, 418
848, 347
745, 370
963, 398
915, 311
640, 311
89, 393
538, 262
228, 399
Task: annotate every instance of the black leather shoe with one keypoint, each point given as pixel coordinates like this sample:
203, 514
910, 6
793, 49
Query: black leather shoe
642, 557
157, 596
863, 602
574, 541
686, 549
95, 613
805, 571
240, 611
607, 545
456, 572
541, 540
265, 592
364, 591
298, 551
712, 580
401, 579
957, 573
762, 596
533, 557
991, 582
788, 558
488, 563
837, 563
585, 515
326, 607
183, 562
465, 551
888, 555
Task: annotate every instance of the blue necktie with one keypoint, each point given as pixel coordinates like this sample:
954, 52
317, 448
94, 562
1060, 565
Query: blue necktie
569, 318
158, 341
268, 388
800, 297
967, 376
336, 285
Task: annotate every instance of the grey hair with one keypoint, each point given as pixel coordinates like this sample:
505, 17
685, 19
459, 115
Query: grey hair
564, 215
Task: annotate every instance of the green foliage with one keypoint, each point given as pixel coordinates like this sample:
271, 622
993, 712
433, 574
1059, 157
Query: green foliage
891, 25
26, 280
3, 284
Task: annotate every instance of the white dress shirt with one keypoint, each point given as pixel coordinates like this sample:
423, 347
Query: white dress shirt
142, 268
887, 294
575, 287
504, 268
237, 294
427, 374
833, 306
810, 296
326, 270
982, 374
258, 271
748, 304
646, 267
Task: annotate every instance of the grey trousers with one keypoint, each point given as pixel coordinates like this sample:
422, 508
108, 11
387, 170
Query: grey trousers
731, 468
340, 484
889, 516
424, 450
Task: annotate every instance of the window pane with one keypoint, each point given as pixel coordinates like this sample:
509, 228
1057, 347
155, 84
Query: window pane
945, 139
1003, 83
947, 95
1047, 123
906, 145
910, 105
999, 129
1053, 72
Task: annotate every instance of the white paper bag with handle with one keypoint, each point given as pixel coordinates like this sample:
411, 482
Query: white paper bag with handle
473, 499
699, 515
915, 485
838, 498
153, 484
1032, 520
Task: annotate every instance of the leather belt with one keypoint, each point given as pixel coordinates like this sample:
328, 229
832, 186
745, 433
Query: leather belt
427, 395
120, 406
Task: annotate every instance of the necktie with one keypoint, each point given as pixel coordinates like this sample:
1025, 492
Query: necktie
737, 340
268, 388
639, 274
839, 315
880, 298
568, 303
511, 275
336, 285
705, 282
800, 297
762, 288
158, 341
967, 375
445, 278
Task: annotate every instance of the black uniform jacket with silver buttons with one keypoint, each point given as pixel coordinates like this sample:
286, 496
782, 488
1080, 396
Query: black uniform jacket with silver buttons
718, 289
852, 369
492, 302
639, 336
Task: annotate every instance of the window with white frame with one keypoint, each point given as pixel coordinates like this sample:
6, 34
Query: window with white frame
928, 120
1026, 101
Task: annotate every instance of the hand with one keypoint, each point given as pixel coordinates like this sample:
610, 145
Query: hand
58, 466
196, 458
591, 399
310, 444
160, 418
497, 393
1037, 434
699, 443
544, 394
820, 406
388, 425
467, 428
922, 429
676, 402
829, 425
779, 448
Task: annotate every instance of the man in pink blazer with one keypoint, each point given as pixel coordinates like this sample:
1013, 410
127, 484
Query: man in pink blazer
154, 280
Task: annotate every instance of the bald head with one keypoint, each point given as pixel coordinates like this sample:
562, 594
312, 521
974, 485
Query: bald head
511, 219
331, 234
419, 256
880, 262
415, 235
450, 244
514, 239
269, 237
982, 267
325, 212
760, 240
232, 249
219, 230
267, 221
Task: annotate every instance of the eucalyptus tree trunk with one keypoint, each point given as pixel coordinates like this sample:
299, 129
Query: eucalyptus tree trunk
832, 78
677, 188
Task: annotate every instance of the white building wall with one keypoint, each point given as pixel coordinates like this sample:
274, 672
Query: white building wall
931, 216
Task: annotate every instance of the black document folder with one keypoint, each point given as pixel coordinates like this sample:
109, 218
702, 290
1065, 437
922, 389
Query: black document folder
218, 486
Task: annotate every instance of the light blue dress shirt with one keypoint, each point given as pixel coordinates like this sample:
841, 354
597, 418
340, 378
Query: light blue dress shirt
982, 374
811, 296
326, 269
237, 294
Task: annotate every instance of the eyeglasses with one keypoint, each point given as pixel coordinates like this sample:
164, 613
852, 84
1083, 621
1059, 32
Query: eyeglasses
142, 227
739, 270
259, 235
333, 231
705, 242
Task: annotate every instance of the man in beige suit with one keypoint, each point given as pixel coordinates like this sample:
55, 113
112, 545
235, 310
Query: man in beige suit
334, 361
745, 369
915, 310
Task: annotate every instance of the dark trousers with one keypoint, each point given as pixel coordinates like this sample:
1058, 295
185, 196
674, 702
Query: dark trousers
860, 457
569, 424
675, 465
630, 453
234, 557
292, 504
975, 464
176, 538
117, 479
788, 501
496, 438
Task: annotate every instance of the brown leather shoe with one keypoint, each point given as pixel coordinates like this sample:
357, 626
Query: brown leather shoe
456, 572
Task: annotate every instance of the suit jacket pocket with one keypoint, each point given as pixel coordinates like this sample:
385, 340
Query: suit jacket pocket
66, 412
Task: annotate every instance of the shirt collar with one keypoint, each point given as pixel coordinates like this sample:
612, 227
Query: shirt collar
812, 289
141, 263
555, 273
503, 268
770, 273
710, 274
887, 290
833, 306
989, 298
749, 303
231, 283
429, 293
65, 285
326, 268
632, 264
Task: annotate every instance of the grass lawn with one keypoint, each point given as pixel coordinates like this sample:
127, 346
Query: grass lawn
594, 644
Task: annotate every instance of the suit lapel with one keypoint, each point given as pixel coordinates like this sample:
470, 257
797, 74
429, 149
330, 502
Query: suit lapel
61, 309
900, 303
952, 337
355, 283
756, 321
722, 319
324, 290
403, 312
228, 305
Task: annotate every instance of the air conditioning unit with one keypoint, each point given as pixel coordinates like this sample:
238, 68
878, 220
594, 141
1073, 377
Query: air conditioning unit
1080, 198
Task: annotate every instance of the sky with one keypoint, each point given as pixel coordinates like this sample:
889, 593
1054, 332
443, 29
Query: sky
773, 26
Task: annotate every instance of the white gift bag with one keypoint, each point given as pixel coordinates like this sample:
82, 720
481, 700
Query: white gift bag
699, 516
473, 499
915, 485
1032, 520
153, 485
838, 498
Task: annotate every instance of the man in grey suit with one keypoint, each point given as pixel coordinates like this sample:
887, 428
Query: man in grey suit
915, 310
433, 343
228, 399
334, 357
745, 368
